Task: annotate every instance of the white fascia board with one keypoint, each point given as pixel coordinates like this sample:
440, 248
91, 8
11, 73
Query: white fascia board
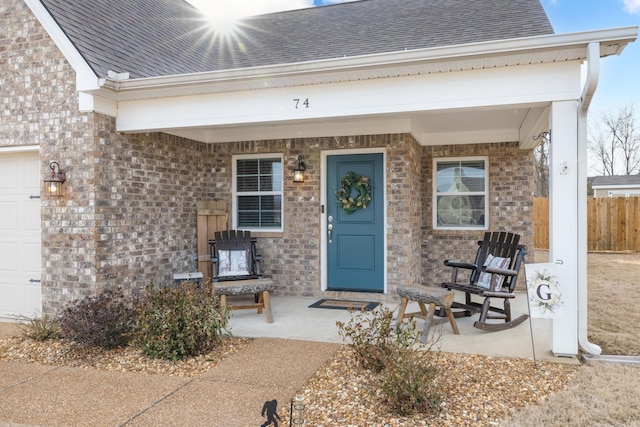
617, 186
97, 104
465, 89
86, 79
613, 42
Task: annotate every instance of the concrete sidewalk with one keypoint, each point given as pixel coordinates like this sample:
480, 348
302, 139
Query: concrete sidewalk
231, 394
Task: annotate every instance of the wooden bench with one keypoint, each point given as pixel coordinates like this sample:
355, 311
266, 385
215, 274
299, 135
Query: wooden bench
261, 287
435, 297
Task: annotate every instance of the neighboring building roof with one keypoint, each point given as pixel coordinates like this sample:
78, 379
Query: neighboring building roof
149, 38
616, 180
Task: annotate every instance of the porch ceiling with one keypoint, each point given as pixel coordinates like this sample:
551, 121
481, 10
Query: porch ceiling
455, 126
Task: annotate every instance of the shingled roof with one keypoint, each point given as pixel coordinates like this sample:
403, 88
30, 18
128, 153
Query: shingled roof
623, 180
150, 38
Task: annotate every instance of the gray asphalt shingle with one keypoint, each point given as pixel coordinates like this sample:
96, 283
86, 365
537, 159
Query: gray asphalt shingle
165, 37
616, 180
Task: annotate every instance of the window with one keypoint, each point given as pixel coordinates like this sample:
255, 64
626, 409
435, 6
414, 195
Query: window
460, 194
257, 186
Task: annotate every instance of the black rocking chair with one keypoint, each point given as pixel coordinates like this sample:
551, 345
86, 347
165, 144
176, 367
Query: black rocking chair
493, 274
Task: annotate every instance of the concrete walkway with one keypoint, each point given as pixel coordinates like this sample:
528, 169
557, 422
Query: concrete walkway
276, 365
231, 394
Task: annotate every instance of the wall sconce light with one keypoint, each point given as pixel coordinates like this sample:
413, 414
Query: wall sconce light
298, 171
53, 183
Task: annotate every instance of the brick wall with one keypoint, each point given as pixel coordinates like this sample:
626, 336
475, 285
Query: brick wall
146, 214
293, 258
510, 204
128, 217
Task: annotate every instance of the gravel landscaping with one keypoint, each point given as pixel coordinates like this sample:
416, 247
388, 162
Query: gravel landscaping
66, 353
476, 390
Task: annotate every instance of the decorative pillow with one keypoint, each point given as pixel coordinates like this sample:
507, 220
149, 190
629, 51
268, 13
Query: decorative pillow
233, 263
485, 278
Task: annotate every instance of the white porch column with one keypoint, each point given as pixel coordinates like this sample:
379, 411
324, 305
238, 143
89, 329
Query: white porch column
563, 212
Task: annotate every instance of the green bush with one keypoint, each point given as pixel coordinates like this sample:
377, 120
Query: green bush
43, 328
106, 320
405, 376
174, 323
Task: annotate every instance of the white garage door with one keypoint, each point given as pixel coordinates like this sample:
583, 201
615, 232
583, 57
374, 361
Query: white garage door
20, 292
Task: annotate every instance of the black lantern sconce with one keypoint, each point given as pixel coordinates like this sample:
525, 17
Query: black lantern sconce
298, 171
53, 183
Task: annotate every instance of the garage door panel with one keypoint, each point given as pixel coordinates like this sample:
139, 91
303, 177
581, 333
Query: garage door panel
31, 217
11, 299
9, 217
9, 176
31, 181
31, 260
9, 256
20, 234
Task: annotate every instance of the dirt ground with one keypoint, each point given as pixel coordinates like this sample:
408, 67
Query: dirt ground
614, 311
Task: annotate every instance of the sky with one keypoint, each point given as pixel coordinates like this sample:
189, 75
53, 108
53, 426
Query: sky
619, 83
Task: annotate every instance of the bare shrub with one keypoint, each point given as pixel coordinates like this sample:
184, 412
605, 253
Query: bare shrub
41, 328
406, 378
106, 320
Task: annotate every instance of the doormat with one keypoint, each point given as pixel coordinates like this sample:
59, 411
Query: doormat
338, 304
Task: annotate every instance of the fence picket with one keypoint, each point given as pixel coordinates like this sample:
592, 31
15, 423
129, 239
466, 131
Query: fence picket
613, 224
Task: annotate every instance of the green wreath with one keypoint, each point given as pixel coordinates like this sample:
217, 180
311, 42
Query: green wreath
362, 186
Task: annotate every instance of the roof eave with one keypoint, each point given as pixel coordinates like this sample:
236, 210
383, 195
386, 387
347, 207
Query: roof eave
538, 49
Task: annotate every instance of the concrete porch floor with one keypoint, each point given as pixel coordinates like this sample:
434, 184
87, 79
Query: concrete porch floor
293, 319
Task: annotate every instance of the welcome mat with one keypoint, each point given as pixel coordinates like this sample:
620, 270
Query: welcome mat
339, 304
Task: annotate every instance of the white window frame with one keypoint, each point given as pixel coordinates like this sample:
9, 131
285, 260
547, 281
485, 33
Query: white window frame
235, 193
484, 193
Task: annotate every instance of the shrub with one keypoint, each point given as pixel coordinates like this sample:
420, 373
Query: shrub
174, 323
406, 379
408, 385
106, 320
373, 338
43, 328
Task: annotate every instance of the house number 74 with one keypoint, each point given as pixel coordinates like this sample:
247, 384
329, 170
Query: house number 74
299, 104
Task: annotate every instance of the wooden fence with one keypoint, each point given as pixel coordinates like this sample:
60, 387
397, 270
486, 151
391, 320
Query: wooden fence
613, 224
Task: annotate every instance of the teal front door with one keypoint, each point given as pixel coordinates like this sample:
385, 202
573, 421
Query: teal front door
355, 239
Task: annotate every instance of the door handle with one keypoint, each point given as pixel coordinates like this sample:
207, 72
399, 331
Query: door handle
329, 228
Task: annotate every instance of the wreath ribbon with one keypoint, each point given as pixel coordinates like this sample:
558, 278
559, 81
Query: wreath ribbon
351, 181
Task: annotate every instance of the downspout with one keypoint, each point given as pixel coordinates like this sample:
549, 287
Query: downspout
591, 83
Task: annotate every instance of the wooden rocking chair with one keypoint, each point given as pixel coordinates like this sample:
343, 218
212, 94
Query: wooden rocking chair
233, 256
235, 271
493, 275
